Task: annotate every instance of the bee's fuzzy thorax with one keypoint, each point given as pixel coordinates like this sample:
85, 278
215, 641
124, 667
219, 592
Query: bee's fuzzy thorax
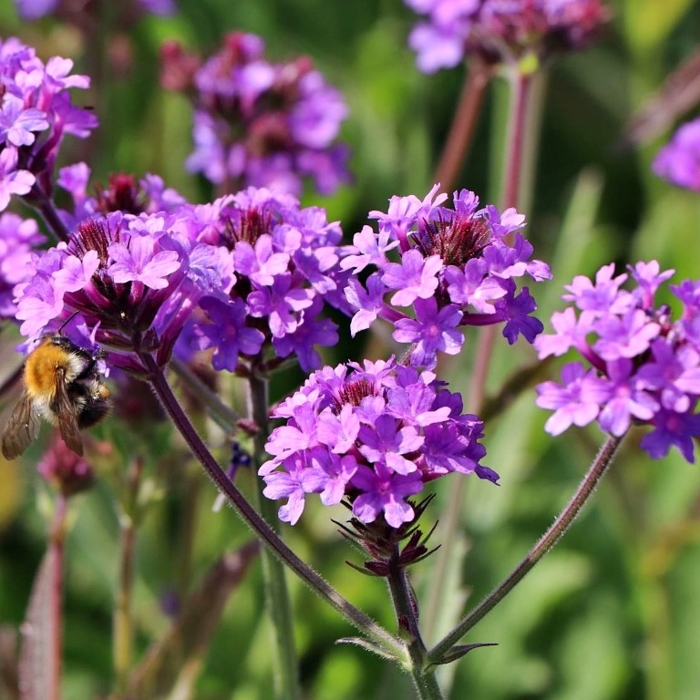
45, 363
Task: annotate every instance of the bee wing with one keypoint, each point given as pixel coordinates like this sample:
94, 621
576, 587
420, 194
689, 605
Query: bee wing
66, 418
21, 429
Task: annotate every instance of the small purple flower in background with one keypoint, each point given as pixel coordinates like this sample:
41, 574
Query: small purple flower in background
455, 267
370, 435
644, 367
258, 123
679, 161
35, 113
500, 30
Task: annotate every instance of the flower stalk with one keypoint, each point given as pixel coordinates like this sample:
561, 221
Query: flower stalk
545, 544
383, 639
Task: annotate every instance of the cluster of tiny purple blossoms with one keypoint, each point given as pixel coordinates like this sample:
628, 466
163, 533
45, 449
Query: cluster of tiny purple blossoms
452, 266
247, 272
34, 9
644, 366
36, 113
500, 30
679, 161
258, 123
371, 435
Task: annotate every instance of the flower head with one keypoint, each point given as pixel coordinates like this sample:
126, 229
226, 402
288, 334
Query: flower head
500, 30
286, 264
260, 123
643, 367
434, 268
35, 113
371, 436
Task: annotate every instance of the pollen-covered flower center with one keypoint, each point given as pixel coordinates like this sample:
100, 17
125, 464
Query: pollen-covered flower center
455, 241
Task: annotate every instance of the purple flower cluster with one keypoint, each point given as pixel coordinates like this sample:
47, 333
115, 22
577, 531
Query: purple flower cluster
452, 266
259, 123
36, 112
500, 30
286, 263
18, 238
371, 435
679, 161
132, 280
255, 267
34, 9
643, 366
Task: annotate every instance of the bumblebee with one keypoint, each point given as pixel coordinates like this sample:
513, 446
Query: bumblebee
61, 384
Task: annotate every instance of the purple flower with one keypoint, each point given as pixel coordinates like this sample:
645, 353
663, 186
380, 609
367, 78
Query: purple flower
227, 332
456, 266
36, 112
500, 30
259, 123
12, 180
644, 366
371, 435
679, 161
576, 401
430, 332
18, 238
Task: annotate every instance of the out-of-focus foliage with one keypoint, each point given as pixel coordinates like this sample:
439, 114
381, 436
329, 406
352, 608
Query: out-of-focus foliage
612, 612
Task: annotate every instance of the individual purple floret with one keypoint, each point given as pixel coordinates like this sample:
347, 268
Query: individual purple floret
260, 123
500, 30
371, 435
643, 367
35, 113
433, 269
679, 161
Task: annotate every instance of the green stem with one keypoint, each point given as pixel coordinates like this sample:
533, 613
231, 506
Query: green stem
545, 544
391, 645
123, 633
405, 606
276, 591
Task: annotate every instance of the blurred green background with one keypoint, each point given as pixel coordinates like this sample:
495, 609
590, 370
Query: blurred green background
614, 611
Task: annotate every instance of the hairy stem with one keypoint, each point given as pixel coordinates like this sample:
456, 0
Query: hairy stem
269, 538
544, 545
405, 606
